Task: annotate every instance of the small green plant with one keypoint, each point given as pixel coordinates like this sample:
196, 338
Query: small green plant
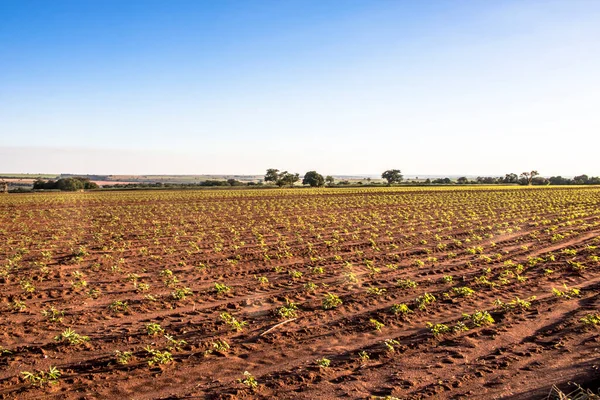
154, 329
460, 327
4, 352
221, 346
118, 306
142, 287
295, 274
18, 305
233, 322
401, 309
517, 304
438, 329
447, 279
323, 362
290, 310
71, 337
310, 287
484, 281
53, 315
463, 291
577, 266
480, 318
390, 344
94, 293
364, 356
174, 344
181, 293
41, 378
375, 291
376, 324
221, 288
331, 301
123, 357
249, 380
27, 286
567, 293
263, 280
158, 357
406, 284
591, 320
425, 300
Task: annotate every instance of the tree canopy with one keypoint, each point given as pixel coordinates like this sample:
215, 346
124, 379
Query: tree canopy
314, 179
392, 176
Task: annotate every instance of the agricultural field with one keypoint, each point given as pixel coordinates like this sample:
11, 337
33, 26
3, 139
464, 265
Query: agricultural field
374, 293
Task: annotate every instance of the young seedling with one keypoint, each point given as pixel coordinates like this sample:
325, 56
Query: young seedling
331, 301
568, 293
123, 357
263, 280
18, 305
406, 284
233, 322
401, 309
71, 337
323, 362
221, 288
174, 344
41, 378
591, 320
4, 352
182, 293
364, 356
158, 357
248, 380
290, 310
375, 291
390, 344
310, 287
53, 315
480, 318
118, 306
438, 329
463, 291
425, 300
376, 324
154, 329
221, 346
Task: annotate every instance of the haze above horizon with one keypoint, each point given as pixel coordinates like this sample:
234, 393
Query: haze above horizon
343, 87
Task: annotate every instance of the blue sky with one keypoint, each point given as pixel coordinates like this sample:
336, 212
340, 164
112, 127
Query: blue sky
343, 87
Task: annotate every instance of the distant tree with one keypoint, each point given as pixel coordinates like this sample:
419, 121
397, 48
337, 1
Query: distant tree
511, 178
559, 180
392, 176
528, 176
287, 179
462, 180
272, 175
581, 179
329, 180
540, 180
314, 179
594, 180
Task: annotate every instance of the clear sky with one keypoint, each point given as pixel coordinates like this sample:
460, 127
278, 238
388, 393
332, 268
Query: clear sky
339, 86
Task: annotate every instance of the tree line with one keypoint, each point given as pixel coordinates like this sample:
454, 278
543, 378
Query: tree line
314, 179
65, 184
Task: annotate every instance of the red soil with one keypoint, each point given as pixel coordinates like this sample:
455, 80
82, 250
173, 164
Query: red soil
362, 239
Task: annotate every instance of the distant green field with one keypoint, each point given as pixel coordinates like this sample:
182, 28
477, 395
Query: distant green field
29, 176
